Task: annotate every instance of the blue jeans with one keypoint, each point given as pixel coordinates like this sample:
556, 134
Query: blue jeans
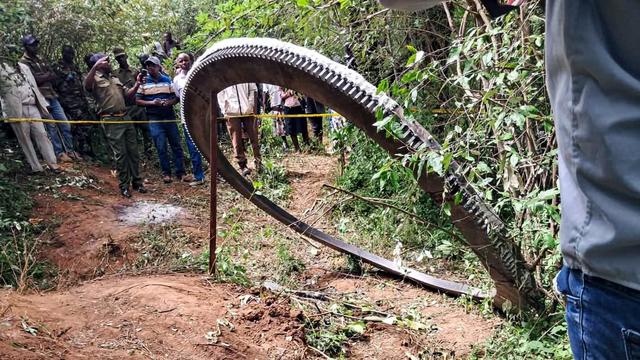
603, 318
56, 130
196, 159
160, 133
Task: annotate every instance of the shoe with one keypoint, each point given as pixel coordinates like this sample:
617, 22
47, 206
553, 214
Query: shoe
196, 182
75, 155
141, 189
63, 157
166, 179
245, 171
188, 178
56, 171
126, 193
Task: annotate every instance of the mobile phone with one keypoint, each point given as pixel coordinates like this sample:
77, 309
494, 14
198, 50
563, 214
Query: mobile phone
144, 72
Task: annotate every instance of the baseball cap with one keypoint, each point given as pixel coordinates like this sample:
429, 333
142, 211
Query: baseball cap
118, 51
29, 40
153, 59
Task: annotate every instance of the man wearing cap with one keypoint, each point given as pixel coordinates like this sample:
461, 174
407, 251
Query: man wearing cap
59, 133
127, 77
73, 100
157, 96
110, 96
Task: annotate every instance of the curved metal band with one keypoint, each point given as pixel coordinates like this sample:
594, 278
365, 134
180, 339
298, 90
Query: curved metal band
270, 61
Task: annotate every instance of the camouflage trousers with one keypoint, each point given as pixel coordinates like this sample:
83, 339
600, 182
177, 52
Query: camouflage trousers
81, 132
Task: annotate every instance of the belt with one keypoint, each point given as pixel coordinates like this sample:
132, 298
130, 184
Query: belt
113, 115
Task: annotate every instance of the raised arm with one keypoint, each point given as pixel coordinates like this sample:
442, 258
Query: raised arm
90, 80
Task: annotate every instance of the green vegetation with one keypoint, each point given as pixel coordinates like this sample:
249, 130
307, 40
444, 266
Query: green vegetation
20, 266
287, 263
272, 181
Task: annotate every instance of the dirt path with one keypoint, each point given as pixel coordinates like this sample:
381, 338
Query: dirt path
107, 308
454, 331
307, 173
157, 317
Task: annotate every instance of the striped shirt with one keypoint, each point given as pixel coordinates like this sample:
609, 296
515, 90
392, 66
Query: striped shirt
160, 88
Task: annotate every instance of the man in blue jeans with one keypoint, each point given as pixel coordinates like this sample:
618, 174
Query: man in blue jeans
593, 79
157, 96
59, 133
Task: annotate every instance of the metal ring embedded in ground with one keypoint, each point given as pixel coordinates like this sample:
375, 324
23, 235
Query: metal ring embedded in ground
270, 61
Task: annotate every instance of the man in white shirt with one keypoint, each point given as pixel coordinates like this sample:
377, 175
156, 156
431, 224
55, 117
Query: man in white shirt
184, 61
239, 103
272, 92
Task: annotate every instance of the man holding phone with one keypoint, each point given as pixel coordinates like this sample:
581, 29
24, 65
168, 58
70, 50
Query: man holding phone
157, 96
110, 95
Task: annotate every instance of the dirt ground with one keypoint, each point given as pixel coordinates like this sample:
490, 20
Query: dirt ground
104, 309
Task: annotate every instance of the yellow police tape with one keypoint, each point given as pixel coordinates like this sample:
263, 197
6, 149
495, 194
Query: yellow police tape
259, 116
78, 122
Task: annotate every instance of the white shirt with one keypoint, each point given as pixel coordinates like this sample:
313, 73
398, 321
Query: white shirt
274, 94
238, 99
179, 81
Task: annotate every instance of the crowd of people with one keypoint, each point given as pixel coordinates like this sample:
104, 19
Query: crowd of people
133, 102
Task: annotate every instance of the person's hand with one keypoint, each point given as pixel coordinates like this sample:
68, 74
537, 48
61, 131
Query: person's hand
101, 63
140, 79
158, 102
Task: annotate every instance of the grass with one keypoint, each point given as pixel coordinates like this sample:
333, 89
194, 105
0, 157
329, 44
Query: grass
543, 337
21, 266
288, 265
272, 182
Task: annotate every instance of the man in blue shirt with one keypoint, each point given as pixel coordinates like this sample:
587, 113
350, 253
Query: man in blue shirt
158, 98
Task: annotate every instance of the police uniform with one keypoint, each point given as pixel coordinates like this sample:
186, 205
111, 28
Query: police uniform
134, 112
74, 102
110, 94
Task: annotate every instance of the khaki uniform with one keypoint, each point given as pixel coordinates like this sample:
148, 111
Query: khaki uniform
109, 94
134, 112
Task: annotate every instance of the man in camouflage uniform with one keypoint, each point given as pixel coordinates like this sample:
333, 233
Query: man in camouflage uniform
110, 96
127, 77
73, 99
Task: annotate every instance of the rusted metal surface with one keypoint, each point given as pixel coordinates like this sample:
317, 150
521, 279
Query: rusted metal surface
213, 161
269, 61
